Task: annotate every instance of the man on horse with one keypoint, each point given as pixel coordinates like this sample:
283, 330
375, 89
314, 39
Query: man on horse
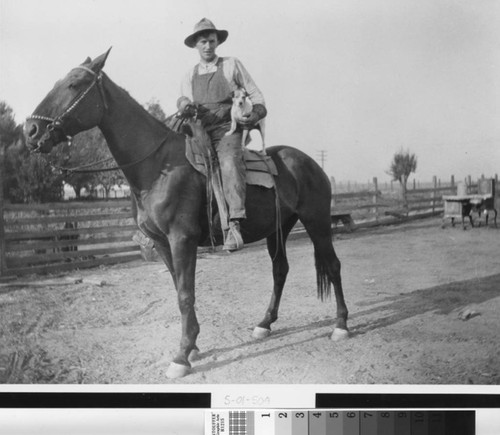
208, 88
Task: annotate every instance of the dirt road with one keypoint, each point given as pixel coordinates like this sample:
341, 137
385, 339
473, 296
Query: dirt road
424, 308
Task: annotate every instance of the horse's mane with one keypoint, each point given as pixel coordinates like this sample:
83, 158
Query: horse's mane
137, 104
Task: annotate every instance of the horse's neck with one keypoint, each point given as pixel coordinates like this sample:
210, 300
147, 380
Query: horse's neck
132, 133
126, 125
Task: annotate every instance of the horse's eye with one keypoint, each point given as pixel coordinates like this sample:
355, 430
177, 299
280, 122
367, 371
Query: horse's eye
71, 86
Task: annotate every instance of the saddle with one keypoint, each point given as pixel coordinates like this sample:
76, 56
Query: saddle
260, 169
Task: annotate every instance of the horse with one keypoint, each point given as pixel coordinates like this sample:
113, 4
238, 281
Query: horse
171, 197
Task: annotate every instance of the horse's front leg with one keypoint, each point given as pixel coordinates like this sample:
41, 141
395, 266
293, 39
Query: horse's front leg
184, 250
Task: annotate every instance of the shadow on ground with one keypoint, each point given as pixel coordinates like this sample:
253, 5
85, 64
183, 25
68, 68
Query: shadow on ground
441, 300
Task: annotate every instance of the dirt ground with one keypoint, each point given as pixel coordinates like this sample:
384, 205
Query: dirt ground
424, 309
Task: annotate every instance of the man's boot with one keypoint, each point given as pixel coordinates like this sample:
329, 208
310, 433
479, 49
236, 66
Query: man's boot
234, 241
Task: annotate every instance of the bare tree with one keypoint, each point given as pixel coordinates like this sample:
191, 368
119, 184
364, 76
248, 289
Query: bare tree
402, 165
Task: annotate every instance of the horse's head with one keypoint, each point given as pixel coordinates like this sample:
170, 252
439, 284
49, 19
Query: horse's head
76, 103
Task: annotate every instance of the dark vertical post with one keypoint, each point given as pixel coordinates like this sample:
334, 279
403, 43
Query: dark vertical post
434, 193
375, 197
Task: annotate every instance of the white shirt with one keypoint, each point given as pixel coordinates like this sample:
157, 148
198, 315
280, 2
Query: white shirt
235, 73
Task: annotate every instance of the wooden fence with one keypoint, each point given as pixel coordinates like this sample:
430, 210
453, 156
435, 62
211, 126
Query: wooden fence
375, 206
41, 238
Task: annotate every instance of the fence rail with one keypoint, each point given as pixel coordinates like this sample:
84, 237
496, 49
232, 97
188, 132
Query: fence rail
373, 206
42, 238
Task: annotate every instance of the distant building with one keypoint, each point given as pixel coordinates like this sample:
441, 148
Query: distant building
98, 191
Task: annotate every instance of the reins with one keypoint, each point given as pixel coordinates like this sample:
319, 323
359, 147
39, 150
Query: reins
82, 169
279, 229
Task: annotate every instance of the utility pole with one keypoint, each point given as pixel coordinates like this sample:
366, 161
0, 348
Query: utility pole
322, 158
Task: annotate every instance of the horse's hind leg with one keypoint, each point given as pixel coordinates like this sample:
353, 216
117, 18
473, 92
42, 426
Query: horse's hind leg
328, 269
277, 251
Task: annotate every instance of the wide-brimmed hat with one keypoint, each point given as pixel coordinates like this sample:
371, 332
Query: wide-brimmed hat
202, 26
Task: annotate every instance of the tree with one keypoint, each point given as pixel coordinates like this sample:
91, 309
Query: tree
403, 164
28, 178
9, 135
10, 132
31, 180
154, 108
89, 150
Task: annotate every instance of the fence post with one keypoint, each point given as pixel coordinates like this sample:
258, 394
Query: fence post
3, 265
375, 196
434, 193
334, 191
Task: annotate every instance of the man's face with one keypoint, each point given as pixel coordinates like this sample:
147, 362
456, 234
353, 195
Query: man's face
206, 45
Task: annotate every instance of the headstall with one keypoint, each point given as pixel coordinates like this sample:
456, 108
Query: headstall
56, 123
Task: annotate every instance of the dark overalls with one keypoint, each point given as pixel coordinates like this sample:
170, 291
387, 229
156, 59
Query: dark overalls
212, 91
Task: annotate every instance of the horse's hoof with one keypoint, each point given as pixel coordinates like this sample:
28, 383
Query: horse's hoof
340, 334
175, 370
194, 355
261, 333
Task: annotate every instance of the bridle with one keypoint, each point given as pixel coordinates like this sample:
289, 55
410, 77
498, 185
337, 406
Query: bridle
57, 122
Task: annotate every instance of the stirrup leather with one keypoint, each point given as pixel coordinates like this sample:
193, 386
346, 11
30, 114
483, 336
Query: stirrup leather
234, 241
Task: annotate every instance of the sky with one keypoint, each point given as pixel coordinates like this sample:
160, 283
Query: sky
353, 80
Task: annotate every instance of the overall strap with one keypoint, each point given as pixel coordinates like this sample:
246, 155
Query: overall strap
211, 89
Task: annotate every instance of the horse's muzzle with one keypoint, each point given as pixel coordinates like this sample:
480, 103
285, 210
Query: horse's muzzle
39, 138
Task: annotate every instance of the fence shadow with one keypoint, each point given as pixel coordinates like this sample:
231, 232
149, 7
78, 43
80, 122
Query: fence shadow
441, 300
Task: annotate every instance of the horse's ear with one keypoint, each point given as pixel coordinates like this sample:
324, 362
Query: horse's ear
98, 63
86, 61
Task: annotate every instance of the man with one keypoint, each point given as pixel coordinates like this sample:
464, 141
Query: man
208, 86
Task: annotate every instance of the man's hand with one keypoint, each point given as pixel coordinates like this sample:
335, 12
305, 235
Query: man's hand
258, 112
250, 120
187, 109
190, 111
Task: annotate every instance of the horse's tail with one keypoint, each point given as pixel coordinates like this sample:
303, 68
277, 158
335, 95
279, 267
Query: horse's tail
323, 273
